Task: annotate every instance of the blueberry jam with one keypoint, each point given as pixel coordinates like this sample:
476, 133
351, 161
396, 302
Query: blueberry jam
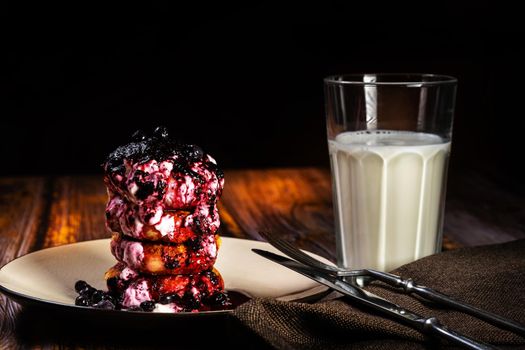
99, 299
145, 147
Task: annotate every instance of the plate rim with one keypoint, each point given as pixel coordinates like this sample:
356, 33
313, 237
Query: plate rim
22, 298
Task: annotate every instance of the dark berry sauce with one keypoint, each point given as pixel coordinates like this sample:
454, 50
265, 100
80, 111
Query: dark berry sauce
99, 299
145, 147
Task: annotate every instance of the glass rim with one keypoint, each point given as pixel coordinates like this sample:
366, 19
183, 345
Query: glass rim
396, 79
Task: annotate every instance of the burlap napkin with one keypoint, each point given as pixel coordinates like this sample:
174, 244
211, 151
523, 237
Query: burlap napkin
490, 277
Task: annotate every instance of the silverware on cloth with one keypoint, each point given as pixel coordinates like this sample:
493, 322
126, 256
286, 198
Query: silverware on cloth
430, 325
407, 285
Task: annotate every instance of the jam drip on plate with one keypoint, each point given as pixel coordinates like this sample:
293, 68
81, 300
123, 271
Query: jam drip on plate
89, 296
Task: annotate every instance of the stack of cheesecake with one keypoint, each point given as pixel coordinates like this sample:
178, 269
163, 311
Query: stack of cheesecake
162, 210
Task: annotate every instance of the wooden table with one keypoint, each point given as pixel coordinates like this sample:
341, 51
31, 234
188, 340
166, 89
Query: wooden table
41, 212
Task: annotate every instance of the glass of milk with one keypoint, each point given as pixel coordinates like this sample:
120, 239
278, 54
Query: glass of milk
389, 139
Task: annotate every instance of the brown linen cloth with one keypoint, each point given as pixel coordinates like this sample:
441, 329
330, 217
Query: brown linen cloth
490, 277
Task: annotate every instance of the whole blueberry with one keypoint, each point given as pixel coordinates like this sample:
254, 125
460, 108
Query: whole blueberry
104, 304
81, 285
109, 298
87, 291
147, 305
97, 296
191, 302
82, 301
193, 153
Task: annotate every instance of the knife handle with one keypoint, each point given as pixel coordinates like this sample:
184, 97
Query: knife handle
432, 326
410, 287
490, 317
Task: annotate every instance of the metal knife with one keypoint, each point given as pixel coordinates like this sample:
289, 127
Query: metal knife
430, 325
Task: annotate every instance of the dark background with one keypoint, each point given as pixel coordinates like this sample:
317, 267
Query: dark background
244, 81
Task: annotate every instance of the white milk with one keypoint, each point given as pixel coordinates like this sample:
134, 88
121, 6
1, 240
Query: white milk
391, 187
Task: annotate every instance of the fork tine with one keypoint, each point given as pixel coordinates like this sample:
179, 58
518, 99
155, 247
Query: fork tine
297, 254
294, 252
281, 244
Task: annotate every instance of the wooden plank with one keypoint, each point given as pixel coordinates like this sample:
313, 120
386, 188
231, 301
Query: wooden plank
483, 209
292, 202
77, 210
22, 207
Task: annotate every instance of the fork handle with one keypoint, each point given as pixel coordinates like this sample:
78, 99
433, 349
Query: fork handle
410, 287
433, 326
430, 294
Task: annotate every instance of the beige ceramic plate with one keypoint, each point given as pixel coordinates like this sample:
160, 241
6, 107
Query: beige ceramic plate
48, 276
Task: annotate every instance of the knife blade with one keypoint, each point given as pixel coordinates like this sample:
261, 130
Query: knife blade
430, 325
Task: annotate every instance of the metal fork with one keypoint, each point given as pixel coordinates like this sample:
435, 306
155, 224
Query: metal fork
407, 285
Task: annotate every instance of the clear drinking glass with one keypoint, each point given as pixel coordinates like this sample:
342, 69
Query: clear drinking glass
389, 138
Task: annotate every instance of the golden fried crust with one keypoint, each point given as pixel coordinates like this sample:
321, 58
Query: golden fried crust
156, 258
120, 279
